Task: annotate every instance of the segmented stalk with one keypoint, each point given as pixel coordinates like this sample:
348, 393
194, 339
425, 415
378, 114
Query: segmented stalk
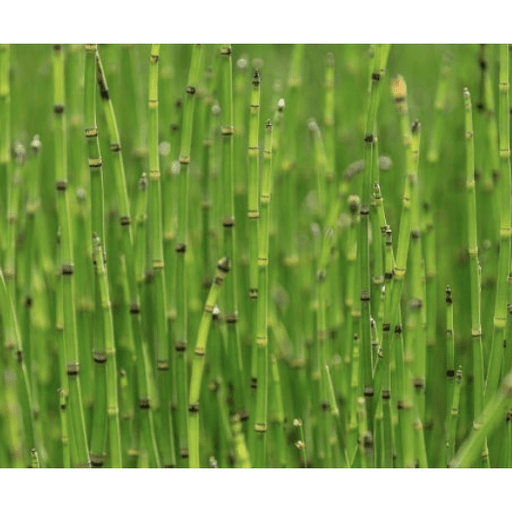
157, 261
253, 186
228, 222
365, 436
181, 247
253, 222
450, 349
144, 376
370, 138
476, 329
260, 419
64, 437
114, 432
198, 362
500, 313
70, 333
453, 414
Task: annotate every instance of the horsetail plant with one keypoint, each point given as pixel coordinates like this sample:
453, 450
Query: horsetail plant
108, 358
70, 335
223, 267
476, 329
228, 222
500, 314
253, 215
344, 328
157, 262
181, 247
261, 352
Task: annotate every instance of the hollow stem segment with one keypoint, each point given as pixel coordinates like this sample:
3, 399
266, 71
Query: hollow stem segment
228, 222
114, 432
253, 221
450, 367
370, 138
198, 362
99, 425
475, 276
453, 415
476, 329
64, 220
500, 312
260, 419
144, 376
253, 212
157, 262
181, 248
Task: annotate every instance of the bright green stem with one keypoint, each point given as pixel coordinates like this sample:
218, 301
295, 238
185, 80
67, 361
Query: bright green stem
198, 362
366, 444
141, 350
500, 312
453, 414
99, 422
260, 419
69, 316
228, 221
114, 432
66, 458
495, 411
155, 220
253, 212
476, 329
181, 247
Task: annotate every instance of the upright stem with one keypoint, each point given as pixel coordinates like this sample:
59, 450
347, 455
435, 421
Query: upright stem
114, 432
228, 222
199, 361
5, 131
70, 333
260, 420
500, 313
181, 248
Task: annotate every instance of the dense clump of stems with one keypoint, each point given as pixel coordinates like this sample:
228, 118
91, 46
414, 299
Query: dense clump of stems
342, 329
370, 139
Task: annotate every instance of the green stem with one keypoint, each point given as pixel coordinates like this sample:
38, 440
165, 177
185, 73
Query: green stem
199, 361
69, 316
